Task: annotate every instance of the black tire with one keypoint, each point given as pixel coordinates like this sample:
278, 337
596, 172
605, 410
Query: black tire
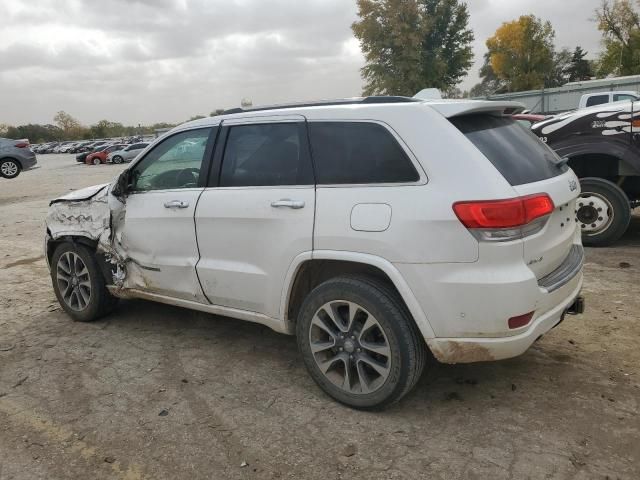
9, 168
600, 230
408, 352
100, 302
117, 159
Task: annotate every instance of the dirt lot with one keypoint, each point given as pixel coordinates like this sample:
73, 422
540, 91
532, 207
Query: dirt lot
159, 392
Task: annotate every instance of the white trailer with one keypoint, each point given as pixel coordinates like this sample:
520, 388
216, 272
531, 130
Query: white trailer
562, 99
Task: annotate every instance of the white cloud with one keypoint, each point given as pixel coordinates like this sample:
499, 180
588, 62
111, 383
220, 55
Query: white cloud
142, 61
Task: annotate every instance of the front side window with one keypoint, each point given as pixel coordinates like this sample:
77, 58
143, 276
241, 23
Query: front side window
358, 153
266, 155
174, 163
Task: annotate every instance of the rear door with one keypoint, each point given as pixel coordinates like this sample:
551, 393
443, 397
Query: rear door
257, 214
531, 168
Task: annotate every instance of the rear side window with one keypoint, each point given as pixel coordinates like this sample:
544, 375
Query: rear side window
517, 153
624, 96
597, 100
358, 153
266, 155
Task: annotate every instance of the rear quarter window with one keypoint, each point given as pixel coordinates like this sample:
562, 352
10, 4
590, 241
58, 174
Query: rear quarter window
358, 153
514, 151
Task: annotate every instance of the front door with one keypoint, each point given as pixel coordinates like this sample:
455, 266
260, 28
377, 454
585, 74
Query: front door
258, 214
159, 232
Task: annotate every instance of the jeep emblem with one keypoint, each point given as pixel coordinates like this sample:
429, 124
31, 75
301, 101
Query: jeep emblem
573, 185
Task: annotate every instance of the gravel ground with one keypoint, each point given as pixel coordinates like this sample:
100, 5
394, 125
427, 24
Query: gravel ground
155, 392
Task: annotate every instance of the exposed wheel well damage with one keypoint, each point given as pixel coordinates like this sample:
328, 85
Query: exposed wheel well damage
92, 245
314, 272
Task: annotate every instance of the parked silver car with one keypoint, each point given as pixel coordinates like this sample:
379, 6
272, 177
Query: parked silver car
126, 154
15, 156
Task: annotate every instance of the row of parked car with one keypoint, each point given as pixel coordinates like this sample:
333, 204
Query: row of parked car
76, 146
111, 153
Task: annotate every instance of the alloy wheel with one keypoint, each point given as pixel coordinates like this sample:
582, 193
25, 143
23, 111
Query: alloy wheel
9, 169
350, 347
74, 282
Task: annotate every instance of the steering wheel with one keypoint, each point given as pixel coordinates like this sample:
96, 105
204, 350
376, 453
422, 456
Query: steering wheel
187, 177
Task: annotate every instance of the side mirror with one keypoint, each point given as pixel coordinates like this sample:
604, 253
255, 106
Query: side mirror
122, 184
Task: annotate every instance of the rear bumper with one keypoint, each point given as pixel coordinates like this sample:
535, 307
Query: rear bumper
469, 350
28, 162
468, 306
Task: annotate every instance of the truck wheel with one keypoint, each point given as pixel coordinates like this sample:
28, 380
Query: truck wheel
603, 212
359, 343
78, 283
9, 168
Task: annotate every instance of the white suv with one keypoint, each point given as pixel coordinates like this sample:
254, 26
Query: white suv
373, 229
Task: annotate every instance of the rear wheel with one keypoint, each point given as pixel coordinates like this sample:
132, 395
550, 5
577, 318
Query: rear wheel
9, 168
96, 161
359, 343
603, 212
78, 283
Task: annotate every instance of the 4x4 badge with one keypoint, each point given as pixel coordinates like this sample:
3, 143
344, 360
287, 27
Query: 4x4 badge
573, 185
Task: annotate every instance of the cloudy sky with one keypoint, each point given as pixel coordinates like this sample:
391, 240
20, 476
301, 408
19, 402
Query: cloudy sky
145, 61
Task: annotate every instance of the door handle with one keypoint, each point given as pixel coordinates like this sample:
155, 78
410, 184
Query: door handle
176, 204
285, 202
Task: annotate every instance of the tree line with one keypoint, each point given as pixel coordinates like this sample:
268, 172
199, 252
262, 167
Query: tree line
66, 127
412, 44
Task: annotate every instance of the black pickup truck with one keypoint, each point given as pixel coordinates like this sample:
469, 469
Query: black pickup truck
602, 146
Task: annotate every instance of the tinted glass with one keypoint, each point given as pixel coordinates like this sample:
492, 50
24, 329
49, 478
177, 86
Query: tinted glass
266, 155
174, 163
597, 100
516, 152
624, 96
357, 153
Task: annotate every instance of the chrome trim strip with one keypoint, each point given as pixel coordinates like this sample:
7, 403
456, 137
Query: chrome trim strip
562, 275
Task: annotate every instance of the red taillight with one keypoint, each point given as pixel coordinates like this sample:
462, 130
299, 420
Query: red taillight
515, 212
21, 145
520, 320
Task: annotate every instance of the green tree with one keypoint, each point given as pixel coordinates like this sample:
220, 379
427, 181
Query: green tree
490, 83
71, 128
580, 68
522, 53
619, 23
413, 44
560, 72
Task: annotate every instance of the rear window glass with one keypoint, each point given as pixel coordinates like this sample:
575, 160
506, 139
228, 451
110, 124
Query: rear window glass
516, 152
358, 153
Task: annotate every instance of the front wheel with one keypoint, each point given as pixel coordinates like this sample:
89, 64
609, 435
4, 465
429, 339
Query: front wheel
78, 283
9, 168
359, 343
603, 212
117, 159
96, 161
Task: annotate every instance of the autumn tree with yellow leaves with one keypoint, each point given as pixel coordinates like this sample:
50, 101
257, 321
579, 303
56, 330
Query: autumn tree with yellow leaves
521, 53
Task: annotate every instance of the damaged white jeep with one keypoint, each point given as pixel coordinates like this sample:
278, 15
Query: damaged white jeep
373, 229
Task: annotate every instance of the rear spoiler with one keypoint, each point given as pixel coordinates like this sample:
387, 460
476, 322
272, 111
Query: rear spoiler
455, 108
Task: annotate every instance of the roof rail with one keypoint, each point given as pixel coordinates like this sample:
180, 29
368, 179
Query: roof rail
329, 103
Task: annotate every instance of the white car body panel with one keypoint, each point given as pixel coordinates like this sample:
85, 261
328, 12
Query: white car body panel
230, 252
162, 242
